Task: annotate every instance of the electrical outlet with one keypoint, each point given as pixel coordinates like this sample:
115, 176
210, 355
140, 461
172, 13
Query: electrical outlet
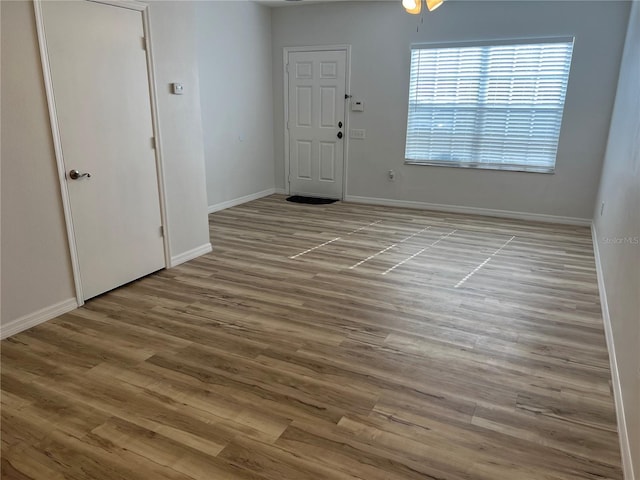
392, 175
357, 133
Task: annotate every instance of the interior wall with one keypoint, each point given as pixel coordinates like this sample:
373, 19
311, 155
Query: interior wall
234, 55
618, 232
381, 34
173, 27
36, 271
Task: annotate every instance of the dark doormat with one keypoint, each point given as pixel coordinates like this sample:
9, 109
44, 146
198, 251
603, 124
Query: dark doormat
310, 200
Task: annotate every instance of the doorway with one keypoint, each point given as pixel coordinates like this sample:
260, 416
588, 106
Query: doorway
97, 75
316, 83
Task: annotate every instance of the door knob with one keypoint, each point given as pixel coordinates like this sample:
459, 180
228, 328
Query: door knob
339, 124
75, 175
339, 134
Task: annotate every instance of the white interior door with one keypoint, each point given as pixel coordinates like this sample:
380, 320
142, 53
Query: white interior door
317, 85
103, 107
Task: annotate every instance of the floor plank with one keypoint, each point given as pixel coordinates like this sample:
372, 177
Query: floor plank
328, 342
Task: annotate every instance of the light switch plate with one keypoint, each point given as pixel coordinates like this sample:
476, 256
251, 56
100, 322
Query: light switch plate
357, 133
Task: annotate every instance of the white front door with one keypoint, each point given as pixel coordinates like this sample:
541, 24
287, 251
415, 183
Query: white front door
317, 86
103, 107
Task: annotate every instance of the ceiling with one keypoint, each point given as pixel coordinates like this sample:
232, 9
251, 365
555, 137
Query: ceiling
284, 3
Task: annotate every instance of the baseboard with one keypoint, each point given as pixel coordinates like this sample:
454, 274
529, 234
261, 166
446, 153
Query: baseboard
240, 200
191, 254
535, 217
625, 446
281, 191
38, 317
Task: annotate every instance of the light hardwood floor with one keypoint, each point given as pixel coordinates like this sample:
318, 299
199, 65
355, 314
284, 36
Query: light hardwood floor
328, 342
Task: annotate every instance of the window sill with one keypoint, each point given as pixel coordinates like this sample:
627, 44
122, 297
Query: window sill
483, 166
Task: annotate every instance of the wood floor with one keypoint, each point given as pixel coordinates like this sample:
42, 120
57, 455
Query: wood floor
327, 342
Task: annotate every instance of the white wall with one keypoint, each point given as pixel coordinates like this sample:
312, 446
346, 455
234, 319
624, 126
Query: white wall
36, 270
234, 54
173, 27
381, 34
618, 234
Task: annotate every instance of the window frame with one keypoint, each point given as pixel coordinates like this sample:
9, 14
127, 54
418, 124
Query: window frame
509, 167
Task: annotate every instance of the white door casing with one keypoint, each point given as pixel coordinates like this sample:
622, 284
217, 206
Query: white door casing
101, 99
316, 118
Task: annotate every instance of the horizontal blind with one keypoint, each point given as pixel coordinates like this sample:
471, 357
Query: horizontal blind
492, 105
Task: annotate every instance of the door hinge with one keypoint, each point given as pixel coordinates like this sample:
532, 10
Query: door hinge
162, 230
153, 143
287, 124
144, 43
289, 178
287, 67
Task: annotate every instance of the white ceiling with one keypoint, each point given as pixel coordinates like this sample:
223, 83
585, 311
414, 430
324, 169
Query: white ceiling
284, 3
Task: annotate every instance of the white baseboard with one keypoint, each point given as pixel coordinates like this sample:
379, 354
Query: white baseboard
38, 317
240, 200
190, 254
281, 191
535, 217
625, 446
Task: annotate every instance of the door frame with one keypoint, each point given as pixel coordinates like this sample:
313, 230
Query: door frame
57, 142
347, 110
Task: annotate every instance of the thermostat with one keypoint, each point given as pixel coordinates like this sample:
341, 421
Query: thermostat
357, 106
177, 88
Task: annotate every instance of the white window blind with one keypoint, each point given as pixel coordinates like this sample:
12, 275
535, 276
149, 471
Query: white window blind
488, 105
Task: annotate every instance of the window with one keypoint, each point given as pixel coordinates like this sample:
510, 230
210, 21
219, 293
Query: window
496, 106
